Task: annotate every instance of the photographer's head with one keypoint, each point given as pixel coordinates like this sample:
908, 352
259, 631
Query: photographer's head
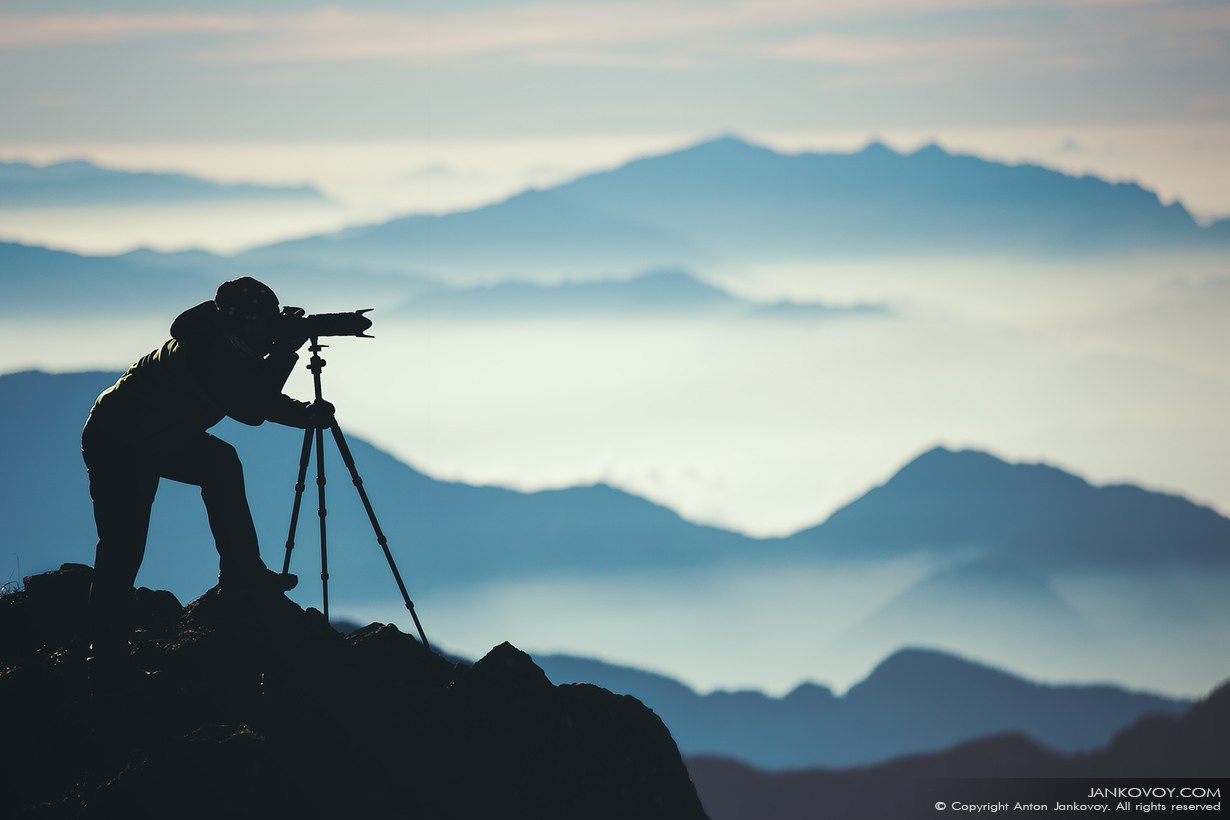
248, 309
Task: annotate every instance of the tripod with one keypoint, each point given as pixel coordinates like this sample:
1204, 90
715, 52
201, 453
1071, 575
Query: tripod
316, 434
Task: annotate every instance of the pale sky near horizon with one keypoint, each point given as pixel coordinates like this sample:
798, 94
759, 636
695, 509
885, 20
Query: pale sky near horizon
462, 102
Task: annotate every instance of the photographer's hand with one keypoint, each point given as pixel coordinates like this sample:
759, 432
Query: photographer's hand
319, 414
288, 345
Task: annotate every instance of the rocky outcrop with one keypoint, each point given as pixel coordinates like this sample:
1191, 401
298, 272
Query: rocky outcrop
239, 709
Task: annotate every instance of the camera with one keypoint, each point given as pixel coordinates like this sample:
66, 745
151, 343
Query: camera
295, 323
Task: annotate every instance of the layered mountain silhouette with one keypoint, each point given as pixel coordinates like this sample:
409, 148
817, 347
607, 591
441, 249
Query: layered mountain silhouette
666, 294
81, 183
720, 206
1062, 579
1032, 516
727, 201
37, 281
241, 707
1191, 745
1034, 568
530, 233
1003, 597
445, 533
914, 701
55, 285
59, 284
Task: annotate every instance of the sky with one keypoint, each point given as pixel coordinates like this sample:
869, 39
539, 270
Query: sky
433, 105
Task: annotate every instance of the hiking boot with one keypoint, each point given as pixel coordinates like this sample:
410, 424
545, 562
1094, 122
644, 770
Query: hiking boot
260, 581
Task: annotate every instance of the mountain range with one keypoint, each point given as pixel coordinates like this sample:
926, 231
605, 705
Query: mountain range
1158, 750
1101, 604
447, 533
656, 294
60, 284
54, 284
727, 203
926, 508
1035, 515
914, 701
723, 207
80, 183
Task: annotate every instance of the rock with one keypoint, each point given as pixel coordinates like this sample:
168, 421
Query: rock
52, 609
255, 708
156, 610
507, 667
386, 654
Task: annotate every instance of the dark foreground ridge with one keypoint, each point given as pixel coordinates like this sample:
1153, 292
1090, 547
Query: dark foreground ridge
263, 710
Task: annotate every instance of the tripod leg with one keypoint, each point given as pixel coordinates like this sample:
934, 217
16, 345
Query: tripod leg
304, 457
344, 449
322, 512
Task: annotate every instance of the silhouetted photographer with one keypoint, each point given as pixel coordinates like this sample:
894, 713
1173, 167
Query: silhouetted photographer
228, 357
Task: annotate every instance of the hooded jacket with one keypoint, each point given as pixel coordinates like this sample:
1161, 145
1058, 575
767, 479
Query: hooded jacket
200, 375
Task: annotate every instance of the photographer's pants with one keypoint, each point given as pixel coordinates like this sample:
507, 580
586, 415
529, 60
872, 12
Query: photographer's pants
124, 476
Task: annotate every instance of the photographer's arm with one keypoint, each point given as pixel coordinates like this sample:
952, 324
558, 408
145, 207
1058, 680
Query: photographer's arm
301, 414
288, 411
251, 391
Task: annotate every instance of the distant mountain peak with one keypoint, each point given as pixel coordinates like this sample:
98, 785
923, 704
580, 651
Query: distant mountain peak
931, 149
809, 693
942, 453
919, 666
726, 145
82, 182
942, 461
876, 148
729, 138
1039, 516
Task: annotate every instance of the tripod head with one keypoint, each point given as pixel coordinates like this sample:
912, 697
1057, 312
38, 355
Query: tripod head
316, 364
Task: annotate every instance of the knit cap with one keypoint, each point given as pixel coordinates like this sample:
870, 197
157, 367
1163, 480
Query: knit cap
245, 298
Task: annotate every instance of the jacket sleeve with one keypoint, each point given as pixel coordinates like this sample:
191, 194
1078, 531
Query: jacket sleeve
254, 393
239, 382
288, 411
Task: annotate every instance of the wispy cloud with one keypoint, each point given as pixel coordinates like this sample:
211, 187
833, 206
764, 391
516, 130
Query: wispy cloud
540, 33
852, 50
867, 43
675, 33
32, 31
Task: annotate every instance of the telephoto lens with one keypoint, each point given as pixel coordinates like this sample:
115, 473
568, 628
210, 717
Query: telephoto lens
293, 324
